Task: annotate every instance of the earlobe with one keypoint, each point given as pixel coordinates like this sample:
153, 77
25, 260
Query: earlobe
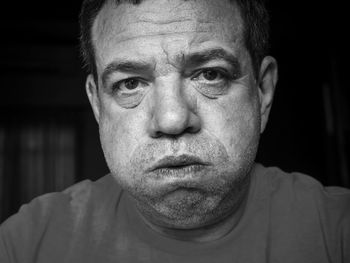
267, 83
92, 93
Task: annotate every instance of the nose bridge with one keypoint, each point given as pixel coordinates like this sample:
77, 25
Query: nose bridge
171, 109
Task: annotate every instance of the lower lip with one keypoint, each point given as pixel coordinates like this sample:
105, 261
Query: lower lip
180, 171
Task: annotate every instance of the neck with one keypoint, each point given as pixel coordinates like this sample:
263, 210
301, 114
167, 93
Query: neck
213, 230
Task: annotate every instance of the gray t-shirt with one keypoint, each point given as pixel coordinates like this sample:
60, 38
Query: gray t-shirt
288, 218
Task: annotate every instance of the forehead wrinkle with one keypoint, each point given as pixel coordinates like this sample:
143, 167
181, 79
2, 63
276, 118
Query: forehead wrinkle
165, 17
110, 33
178, 9
166, 26
167, 33
200, 16
109, 30
161, 22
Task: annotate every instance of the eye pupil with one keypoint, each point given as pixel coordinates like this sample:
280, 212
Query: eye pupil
210, 74
131, 84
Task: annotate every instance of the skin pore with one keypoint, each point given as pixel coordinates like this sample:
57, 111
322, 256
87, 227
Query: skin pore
179, 111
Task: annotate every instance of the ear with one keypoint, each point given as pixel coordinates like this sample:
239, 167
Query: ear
92, 93
268, 76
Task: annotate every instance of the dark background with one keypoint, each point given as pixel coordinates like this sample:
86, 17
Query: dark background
42, 83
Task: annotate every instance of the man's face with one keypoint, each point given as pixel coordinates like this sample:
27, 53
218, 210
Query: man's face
177, 105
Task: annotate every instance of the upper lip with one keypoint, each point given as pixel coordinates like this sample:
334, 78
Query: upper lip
176, 161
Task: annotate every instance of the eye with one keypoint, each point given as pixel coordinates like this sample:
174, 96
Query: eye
210, 75
212, 82
127, 84
129, 92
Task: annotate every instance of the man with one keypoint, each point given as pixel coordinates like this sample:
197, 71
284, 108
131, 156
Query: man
181, 91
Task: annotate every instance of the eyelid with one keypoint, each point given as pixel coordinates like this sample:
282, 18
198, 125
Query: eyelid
225, 73
115, 85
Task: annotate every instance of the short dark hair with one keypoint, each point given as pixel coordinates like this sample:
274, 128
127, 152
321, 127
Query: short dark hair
255, 32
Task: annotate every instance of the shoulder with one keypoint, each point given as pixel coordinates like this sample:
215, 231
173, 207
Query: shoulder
276, 179
73, 199
306, 196
61, 211
299, 187
302, 203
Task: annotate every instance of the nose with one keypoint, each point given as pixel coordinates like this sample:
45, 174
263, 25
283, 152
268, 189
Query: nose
173, 113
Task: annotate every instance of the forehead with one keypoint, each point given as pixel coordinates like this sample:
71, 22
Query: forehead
119, 27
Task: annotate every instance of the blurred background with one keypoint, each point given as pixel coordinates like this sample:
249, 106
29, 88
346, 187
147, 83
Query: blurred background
49, 138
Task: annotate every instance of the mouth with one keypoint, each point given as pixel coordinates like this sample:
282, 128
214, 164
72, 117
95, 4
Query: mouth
178, 164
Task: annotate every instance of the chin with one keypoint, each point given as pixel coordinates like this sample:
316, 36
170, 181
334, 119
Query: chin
182, 210
192, 207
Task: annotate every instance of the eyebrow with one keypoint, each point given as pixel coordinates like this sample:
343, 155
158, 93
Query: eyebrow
205, 56
126, 66
185, 60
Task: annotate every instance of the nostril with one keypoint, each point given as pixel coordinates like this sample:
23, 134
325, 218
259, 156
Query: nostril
194, 124
174, 128
172, 114
172, 120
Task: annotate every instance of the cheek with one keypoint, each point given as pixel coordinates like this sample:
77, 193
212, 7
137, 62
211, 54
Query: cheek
235, 121
242, 129
119, 136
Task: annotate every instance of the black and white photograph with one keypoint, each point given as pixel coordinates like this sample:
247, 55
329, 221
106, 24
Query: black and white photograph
174, 131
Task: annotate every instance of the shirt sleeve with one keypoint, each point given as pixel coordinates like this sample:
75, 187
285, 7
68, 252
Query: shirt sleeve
346, 243
4, 254
21, 234
18, 235
337, 206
